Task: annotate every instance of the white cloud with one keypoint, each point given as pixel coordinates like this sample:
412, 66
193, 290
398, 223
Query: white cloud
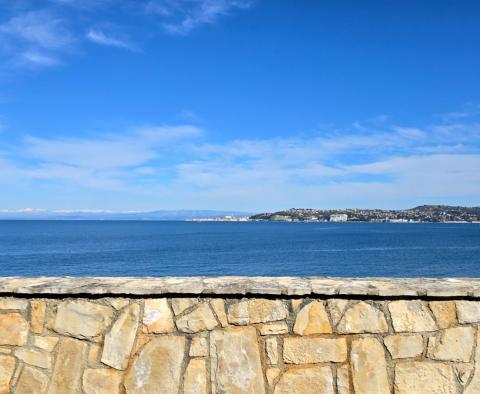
99, 37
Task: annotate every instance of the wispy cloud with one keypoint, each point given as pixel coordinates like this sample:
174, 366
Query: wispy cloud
183, 16
99, 37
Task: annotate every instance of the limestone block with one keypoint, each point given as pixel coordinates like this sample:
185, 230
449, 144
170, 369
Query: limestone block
335, 308
218, 306
306, 380
7, 367
68, 369
119, 340
404, 346
198, 347
312, 319
157, 316
235, 361
256, 310
101, 381
200, 319
425, 377
94, 353
444, 312
362, 317
31, 381
474, 384
305, 350
38, 315
180, 305
158, 365
13, 329
275, 328
272, 373
82, 319
271, 348
343, 380
118, 303
369, 366
18, 304
468, 311
34, 357
195, 381
45, 343
411, 316
454, 344
296, 303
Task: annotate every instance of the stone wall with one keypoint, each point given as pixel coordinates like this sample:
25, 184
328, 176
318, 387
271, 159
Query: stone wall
74, 336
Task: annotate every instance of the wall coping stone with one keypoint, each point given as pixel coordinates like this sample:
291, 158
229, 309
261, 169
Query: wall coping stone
242, 285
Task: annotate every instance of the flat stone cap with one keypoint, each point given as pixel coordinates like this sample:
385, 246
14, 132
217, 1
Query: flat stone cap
241, 285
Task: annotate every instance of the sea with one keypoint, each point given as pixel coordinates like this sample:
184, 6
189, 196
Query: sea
177, 248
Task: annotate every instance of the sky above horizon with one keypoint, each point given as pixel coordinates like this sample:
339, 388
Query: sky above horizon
252, 105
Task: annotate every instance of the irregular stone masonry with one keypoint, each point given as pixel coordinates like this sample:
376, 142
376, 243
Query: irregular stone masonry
238, 344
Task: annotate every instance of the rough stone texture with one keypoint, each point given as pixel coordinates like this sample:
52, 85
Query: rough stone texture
343, 380
195, 381
362, 317
235, 361
404, 346
13, 303
445, 313
306, 380
45, 343
218, 306
272, 374
159, 364
336, 307
468, 311
101, 381
13, 329
67, 372
369, 366
31, 381
425, 377
118, 303
38, 315
82, 319
312, 319
271, 348
299, 350
200, 319
296, 303
119, 340
7, 367
198, 347
454, 344
275, 328
474, 385
411, 316
157, 316
180, 305
256, 311
37, 358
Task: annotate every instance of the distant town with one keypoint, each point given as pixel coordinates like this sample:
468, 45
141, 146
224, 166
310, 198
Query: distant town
420, 214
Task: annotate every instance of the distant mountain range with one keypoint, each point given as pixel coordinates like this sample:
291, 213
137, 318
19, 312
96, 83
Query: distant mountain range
37, 214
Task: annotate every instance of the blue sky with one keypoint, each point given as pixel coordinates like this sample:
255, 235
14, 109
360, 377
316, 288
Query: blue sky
238, 104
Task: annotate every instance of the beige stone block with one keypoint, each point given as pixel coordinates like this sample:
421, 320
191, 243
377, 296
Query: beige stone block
218, 306
82, 319
140, 342
158, 365
411, 316
473, 386
180, 305
7, 367
463, 372
119, 340
312, 319
157, 316
68, 369
94, 353
468, 311
200, 319
235, 361
454, 344
425, 377
275, 328
296, 303
444, 312
101, 381
37, 358
45, 343
5, 350
362, 318
271, 374
404, 346
31, 381
195, 381
38, 315
271, 348
118, 303
306, 380
335, 308
343, 380
11, 303
305, 350
13, 329
369, 366
256, 310
199, 347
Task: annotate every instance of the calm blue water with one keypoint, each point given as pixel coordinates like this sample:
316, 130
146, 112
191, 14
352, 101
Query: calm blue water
123, 248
